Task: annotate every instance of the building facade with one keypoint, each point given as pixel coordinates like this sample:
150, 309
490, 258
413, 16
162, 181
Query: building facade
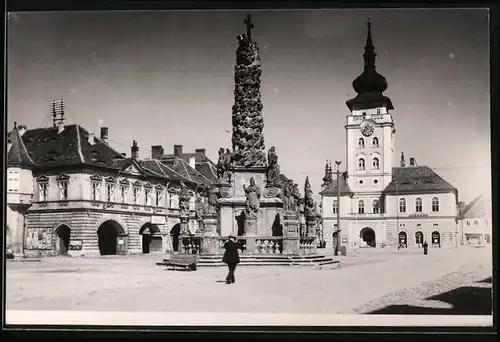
474, 223
70, 192
381, 204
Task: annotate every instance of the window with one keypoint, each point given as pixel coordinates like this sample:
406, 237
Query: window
361, 164
63, 187
435, 224
375, 164
375, 207
361, 207
375, 142
13, 181
123, 193
96, 191
110, 188
335, 206
378, 110
147, 196
476, 222
418, 205
468, 223
137, 190
361, 143
43, 191
435, 204
402, 205
159, 195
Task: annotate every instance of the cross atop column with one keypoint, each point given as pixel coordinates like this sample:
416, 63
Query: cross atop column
250, 26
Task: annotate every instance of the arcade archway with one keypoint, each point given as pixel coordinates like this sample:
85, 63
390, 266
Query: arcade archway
149, 241
368, 236
63, 233
107, 237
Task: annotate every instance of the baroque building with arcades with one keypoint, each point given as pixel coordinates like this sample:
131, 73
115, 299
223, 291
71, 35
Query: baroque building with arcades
381, 204
68, 191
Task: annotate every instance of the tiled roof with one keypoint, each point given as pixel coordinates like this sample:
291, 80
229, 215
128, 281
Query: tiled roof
417, 179
18, 155
123, 164
162, 169
199, 157
332, 188
477, 207
182, 167
208, 170
48, 148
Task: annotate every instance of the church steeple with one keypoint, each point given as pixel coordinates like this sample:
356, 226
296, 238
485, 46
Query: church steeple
370, 84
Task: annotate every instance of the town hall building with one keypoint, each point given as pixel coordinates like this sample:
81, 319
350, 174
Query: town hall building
380, 204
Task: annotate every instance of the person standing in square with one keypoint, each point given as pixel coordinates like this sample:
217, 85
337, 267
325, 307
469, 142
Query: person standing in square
231, 257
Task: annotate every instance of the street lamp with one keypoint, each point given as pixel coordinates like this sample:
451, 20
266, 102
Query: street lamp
337, 244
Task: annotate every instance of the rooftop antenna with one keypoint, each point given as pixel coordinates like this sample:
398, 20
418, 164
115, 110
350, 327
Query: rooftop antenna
58, 111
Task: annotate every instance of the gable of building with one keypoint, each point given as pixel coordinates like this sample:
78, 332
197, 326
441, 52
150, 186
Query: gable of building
417, 179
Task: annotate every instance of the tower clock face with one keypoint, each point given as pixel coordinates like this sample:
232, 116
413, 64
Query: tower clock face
366, 128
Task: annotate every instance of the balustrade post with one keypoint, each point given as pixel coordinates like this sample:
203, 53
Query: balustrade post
210, 239
291, 239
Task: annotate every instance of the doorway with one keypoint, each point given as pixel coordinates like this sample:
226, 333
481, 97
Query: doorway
174, 233
402, 237
147, 231
368, 236
107, 237
436, 239
419, 239
63, 237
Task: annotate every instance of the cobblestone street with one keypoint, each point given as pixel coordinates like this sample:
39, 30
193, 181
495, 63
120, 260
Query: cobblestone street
368, 280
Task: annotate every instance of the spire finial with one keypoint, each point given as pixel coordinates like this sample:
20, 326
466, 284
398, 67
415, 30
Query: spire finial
15, 124
369, 54
250, 26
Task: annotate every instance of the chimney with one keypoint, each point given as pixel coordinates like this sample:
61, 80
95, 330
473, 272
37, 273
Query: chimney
201, 151
402, 163
91, 138
22, 129
134, 151
157, 152
192, 161
104, 135
178, 151
412, 162
60, 127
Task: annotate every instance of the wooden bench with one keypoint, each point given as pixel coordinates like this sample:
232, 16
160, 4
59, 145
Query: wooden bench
186, 261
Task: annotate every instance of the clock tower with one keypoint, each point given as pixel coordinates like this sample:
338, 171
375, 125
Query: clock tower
369, 129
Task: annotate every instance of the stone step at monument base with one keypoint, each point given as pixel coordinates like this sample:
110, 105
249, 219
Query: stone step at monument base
314, 261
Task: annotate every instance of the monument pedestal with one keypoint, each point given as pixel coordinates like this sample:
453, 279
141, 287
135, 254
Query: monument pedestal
184, 233
291, 241
250, 226
210, 238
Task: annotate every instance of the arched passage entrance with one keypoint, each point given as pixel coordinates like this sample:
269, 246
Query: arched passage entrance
403, 239
63, 235
174, 233
149, 241
107, 237
436, 239
419, 238
368, 235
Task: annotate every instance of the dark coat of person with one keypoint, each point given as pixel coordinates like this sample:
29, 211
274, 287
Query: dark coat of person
231, 255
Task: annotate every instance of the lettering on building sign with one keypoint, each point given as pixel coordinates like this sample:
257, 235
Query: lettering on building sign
418, 215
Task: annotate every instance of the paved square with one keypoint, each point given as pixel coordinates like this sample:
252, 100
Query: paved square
368, 279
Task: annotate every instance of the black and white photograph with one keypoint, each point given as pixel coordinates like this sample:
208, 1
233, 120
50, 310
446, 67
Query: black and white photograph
253, 167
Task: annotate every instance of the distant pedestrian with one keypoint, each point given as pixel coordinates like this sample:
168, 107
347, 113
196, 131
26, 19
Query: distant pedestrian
231, 257
425, 245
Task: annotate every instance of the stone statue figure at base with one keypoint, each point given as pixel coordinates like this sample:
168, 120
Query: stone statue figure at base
223, 174
184, 199
273, 172
253, 194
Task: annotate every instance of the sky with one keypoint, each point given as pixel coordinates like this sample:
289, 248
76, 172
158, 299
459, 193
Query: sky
166, 77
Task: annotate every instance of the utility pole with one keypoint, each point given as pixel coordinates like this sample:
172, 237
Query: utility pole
338, 207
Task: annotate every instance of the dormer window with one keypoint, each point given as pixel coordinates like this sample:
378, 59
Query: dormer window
43, 187
63, 183
375, 142
361, 143
361, 164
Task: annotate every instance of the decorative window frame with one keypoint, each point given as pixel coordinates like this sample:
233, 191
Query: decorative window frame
159, 191
377, 144
375, 167
173, 197
402, 205
124, 188
43, 188
147, 193
361, 207
63, 185
137, 187
95, 180
335, 206
419, 205
361, 164
376, 206
110, 188
435, 203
